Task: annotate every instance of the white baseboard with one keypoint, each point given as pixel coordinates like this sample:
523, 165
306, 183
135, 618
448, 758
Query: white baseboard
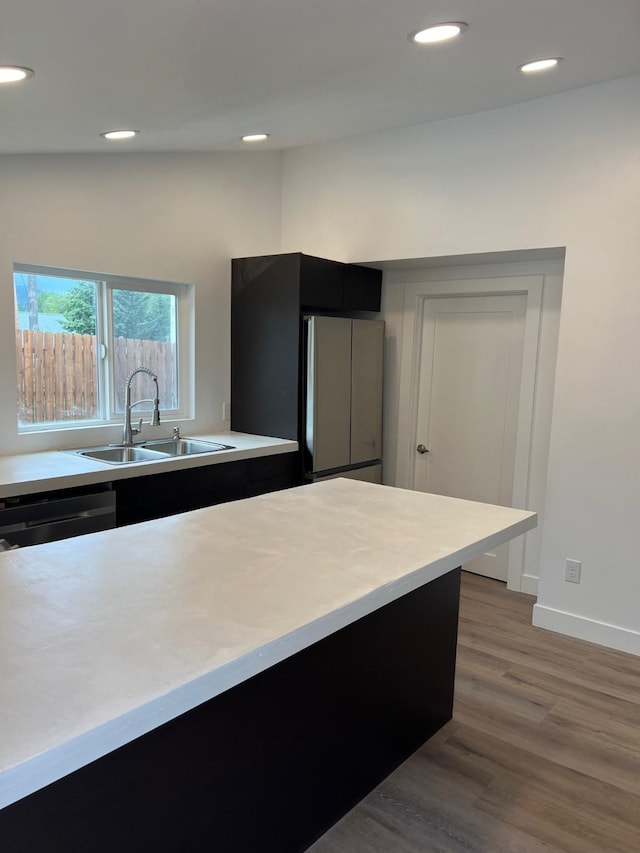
529, 584
591, 630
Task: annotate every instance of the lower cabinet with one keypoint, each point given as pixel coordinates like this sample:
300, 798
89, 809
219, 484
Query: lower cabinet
159, 495
272, 473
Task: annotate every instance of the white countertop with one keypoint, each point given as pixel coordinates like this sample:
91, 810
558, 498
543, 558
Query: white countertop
106, 636
56, 469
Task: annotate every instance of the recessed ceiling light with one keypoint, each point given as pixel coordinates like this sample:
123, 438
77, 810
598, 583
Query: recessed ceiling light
540, 64
120, 134
255, 137
439, 32
14, 73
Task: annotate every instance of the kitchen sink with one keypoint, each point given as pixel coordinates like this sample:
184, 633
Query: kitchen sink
184, 446
118, 455
149, 450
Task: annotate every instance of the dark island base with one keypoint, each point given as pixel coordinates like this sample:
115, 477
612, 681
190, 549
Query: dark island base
271, 764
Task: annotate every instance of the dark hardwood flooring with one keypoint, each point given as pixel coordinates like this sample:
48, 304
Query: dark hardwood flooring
542, 754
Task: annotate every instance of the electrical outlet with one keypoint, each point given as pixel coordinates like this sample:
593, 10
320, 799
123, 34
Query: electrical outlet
226, 411
572, 571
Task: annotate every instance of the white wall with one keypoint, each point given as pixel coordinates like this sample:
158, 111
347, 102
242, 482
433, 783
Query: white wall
169, 217
558, 171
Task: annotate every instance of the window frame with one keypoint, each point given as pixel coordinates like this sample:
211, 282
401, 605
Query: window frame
106, 283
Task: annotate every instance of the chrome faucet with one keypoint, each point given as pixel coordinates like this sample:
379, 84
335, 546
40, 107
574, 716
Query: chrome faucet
129, 431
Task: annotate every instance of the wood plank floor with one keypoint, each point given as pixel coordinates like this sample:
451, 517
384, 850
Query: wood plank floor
543, 752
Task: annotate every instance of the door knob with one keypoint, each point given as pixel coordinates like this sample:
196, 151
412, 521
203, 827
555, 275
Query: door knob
421, 449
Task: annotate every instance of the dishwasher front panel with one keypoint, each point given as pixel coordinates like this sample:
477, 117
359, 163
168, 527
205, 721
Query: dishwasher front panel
59, 518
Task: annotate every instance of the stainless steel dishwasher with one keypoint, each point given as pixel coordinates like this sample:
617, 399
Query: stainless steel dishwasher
34, 519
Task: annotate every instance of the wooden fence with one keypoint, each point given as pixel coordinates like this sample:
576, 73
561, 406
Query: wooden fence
58, 375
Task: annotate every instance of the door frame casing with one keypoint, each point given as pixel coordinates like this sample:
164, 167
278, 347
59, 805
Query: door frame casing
494, 280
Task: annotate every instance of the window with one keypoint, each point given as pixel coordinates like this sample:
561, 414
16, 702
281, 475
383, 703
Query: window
79, 335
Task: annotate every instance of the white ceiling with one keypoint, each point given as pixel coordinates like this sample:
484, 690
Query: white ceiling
194, 75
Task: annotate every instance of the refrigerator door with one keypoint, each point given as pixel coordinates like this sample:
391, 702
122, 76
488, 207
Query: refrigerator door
328, 392
366, 390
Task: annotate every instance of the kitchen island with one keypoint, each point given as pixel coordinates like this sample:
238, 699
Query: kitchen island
233, 678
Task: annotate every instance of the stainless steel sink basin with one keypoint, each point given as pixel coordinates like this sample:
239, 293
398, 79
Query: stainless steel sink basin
119, 455
184, 446
149, 450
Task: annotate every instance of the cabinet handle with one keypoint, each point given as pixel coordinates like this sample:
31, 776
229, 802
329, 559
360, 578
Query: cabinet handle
422, 449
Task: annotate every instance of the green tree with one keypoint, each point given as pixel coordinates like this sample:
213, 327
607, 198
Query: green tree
142, 316
80, 309
51, 303
136, 315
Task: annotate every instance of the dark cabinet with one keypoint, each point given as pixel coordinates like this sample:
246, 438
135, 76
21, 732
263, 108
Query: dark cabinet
265, 345
321, 284
269, 296
361, 288
272, 473
332, 286
159, 495
172, 492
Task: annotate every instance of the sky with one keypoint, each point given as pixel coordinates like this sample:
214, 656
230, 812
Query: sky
52, 283
45, 283
46, 322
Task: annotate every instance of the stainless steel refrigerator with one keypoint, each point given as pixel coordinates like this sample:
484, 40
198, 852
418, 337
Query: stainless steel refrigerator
343, 398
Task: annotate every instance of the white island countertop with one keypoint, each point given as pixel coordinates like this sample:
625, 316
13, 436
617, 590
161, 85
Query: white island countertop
27, 473
106, 636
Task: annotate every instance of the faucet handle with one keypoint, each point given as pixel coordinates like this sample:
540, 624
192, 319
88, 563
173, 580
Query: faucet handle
137, 430
176, 432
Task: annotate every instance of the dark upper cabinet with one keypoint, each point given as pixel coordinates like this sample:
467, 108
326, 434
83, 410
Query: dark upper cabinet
321, 284
332, 286
269, 295
361, 288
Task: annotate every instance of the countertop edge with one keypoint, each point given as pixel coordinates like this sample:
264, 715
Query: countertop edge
79, 471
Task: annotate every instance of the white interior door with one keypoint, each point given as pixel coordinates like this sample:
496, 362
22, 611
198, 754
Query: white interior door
468, 398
